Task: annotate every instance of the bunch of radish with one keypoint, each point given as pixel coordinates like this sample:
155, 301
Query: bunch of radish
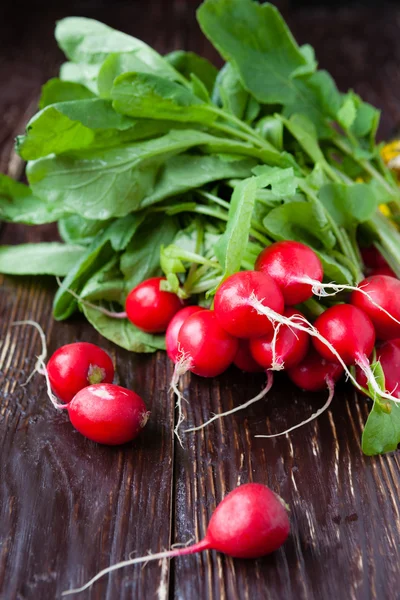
255, 323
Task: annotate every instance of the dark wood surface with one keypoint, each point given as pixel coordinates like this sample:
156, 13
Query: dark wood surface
69, 507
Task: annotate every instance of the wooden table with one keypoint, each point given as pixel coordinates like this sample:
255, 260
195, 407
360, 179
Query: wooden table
70, 507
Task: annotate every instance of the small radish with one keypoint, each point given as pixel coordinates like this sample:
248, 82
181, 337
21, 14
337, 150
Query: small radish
206, 350
349, 330
388, 355
250, 522
232, 307
378, 296
75, 366
107, 413
244, 359
171, 335
289, 263
312, 373
149, 308
283, 350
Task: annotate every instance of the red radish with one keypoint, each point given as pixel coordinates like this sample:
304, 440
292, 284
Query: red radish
250, 522
244, 359
206, 350
206, 346
312, 373
283, 350
383, 271
388, 355
149, 308
107, 413
378, 296
349, 330
287, 262
171, 335
232, 307
75, 366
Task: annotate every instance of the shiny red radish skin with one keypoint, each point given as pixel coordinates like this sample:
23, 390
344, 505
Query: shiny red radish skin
210, 348
291, 345
311, 374
349, 330
288, 261
108, 414
174, 327
250, 522
388, 354
75, 366
149, 308
244, 359
384, 291
232, 308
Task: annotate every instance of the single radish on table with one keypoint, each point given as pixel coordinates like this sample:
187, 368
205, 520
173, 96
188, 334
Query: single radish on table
173, 329
107, 413
75, 366
291, 265
232, 307
379, 297
250, 522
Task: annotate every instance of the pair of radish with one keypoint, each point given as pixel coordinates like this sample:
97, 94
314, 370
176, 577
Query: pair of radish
81, 376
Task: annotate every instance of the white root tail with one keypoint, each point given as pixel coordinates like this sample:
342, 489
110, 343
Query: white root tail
331, 388
182, 366
40, 366
259, 396
319, 289
124, 563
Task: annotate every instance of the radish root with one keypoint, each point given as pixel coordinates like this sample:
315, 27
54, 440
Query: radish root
331, 388
259, 396
203, 545
319, 289
40, 366
182, 366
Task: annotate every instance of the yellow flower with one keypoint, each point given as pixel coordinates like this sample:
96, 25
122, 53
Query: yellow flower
390, 153
385, 210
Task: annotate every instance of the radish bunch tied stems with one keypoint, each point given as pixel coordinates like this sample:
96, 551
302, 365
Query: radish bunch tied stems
166, 176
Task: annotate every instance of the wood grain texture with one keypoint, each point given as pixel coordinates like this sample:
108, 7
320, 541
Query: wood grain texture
69, 507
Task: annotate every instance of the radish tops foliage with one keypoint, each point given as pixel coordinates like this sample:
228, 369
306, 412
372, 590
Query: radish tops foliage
154, 164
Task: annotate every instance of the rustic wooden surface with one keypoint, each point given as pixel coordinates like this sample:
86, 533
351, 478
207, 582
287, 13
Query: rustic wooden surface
69, 507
